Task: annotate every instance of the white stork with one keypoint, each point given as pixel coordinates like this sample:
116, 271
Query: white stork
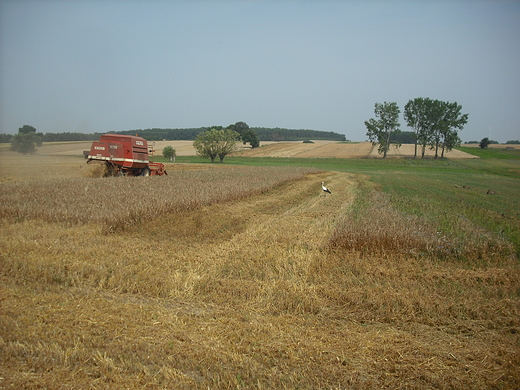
325, 188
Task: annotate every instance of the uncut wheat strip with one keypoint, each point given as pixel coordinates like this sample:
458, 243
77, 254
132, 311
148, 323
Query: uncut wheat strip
133, 198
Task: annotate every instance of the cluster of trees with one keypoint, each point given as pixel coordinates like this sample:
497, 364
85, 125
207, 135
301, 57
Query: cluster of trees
484, 143
26, 140
170, 153
435, 124
219, 141
216, 142
247, 135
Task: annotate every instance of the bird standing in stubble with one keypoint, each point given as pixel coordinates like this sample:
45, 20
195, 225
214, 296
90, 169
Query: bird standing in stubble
325, 188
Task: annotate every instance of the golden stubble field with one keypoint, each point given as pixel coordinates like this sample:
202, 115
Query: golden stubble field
334, 149
252, 292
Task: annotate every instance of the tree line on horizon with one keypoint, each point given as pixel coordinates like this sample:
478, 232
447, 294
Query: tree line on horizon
190, 134
209, 139
263, 133
28, 138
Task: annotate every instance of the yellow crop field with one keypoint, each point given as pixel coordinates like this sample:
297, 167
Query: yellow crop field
234, 277
334, 149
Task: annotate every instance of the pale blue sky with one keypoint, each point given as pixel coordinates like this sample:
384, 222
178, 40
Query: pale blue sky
109, 65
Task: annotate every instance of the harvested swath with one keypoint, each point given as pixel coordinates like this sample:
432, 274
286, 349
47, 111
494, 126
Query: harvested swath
123, 201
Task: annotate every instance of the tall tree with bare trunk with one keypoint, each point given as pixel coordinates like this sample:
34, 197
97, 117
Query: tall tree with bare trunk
386, 123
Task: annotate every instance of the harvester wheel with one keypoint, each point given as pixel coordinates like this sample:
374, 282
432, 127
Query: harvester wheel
145, 171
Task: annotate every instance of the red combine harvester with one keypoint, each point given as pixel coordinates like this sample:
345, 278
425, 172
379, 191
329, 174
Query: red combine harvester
124, 155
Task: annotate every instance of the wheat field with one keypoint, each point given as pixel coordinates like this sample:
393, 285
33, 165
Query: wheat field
335, 149
283, 286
